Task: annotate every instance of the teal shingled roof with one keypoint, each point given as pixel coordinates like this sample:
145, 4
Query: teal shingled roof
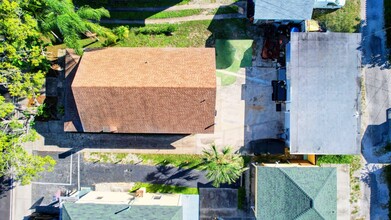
298, 193
87, 211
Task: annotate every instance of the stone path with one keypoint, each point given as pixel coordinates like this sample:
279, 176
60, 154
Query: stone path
173, 20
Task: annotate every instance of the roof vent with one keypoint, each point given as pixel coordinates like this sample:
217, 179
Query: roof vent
156, 197
99, 197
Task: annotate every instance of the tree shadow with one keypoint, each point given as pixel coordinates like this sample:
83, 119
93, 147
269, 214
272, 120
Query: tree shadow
237, 27
6, 185
129, 12
373, 38
37, 203
372, 178
373, 142
171, 176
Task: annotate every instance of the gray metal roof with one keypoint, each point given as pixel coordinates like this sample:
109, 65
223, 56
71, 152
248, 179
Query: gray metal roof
283, 9
324, 73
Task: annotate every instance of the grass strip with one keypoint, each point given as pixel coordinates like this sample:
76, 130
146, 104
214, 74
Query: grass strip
190, 34
185, 34
154, 15
177, 160
230, 9
130, 3
162, 188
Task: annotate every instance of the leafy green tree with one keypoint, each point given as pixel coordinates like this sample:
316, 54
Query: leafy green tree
21, 51
22, 69
224, 167
59, 18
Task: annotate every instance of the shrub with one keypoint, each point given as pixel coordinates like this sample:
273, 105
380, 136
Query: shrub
122, 32
156, 30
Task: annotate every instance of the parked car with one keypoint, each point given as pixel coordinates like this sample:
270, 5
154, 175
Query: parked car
267, 146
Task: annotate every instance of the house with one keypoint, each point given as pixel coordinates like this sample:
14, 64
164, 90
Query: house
323, 93
266, 11
143, 90
74, 211
123, 205
287, 193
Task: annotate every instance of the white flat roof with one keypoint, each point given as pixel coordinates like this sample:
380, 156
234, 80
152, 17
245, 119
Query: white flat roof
324, 72
98, 197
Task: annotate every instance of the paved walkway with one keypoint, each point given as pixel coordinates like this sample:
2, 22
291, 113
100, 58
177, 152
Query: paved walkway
173, 20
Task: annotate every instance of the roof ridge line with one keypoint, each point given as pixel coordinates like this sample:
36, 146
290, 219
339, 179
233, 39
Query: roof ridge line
324, 183
327, 179
294, 183
307, 211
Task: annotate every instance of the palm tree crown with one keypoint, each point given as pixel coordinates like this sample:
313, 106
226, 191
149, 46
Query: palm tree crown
224, 167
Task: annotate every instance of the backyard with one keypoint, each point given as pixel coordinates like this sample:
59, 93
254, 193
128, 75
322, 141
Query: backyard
185, 34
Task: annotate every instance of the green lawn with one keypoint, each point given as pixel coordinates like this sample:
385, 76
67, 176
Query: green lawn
231, 55
154, 15
352, 160
162, 188
231, 9
186, 34
130, 3
346, 19
185, 161
335, 159
191, 34
141, 15
177, 160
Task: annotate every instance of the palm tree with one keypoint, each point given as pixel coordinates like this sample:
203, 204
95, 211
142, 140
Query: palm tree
224, 167
60, 17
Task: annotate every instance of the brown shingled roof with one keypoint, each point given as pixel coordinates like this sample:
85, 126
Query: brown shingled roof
146, 90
